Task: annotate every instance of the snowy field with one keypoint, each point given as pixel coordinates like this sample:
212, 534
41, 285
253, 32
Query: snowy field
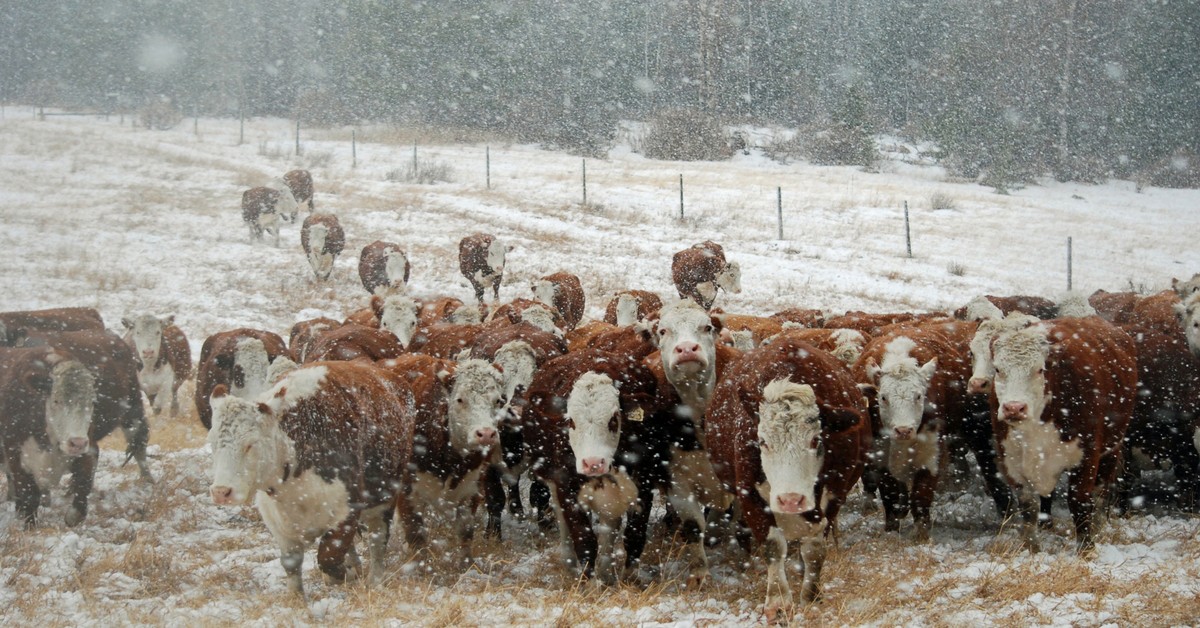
97, 213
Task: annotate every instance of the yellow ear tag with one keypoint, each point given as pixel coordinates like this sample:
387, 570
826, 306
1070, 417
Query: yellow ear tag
636, 415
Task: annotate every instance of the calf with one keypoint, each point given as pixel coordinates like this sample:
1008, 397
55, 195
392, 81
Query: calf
46, 401
300, 183
383, 268
323, 449
239, 360
164, 355
631, 306
459, 407
14, 325
481, 260
355, 342
323, 240
1064, 395
564, 293
258, 212
589, 432
699, 271
789, 435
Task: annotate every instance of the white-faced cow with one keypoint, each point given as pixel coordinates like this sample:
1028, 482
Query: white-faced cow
300, 184
699, 271
631, 306
46, 401
239, 359
1185, 289
322, 450
383, 268
788, 433
481, 260
1064, 395
259, 212
323, 240
563, 292
164, 355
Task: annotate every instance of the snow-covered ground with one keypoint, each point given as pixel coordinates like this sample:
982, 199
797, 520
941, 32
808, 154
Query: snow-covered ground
94, 212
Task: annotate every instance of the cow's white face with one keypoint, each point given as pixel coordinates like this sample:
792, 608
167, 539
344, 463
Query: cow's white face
543, 291
1188, 314
518, 361
147, 331
250, 366
321, 262
244, 440
400, 316
982, 370
687, 337
730, 278
593, 423
789, 435
1020, 358
903, 387
1186, 289
280, 366
396, 267
466, 315
848, 345
70, 397
542, 318
627, 310
477, 404
495, 256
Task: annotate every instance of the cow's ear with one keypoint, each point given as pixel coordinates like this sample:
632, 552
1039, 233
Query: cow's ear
838, 419
929, 368
446, 375
868, 391
127, 322
38, 383
716, 323
219, 391
377, 305
1180, 313
873, 371
643, 329
169, 320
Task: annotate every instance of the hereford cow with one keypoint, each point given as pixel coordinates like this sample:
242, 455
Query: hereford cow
383, 268
1185, 289
238, 359
631, 306
324, 449
788, 434
259, 212
323, 240
581, 337
1114, 307
1064, 393
13, 325
760, 327
459, 408
803, 317
845, 344
46, 398
164, 355
445, 340
481, 260
590, 436
1187, 315
355, 342
395, 313
450, 310
869, 324
1033, 306
300, 184
563, 292
303, 336
546, 317
1157, 312
699, 271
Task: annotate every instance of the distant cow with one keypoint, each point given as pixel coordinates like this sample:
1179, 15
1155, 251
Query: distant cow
323, 240
301, 185
47, 399
631, 306
13, 325
383, 268
450, 310
1114, 307
303, 336
259, 212
1185, 289
481, 260
165, 357
1034, 306
563, 292
544, 316
355, 342
239, 360
1065, 393
845, 344
395, 313
1157, 312
801, 316
788, 434
324, 450
699, 271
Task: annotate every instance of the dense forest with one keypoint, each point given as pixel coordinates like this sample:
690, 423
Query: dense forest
1007, 90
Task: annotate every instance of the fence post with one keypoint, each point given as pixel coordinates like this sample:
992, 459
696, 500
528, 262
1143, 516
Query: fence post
241, 125
297, 137
353, 149
1068, 262
907, 232
487, 164
779, 204
415, 178
681, 196
585, 182
196, 125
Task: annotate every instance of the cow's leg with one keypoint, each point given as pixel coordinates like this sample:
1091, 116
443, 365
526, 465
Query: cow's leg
539, 502
637, 521
478, 290
870, 483
894, 495
83, 473
924, 485
692, 529
812, 550
25, 491
376, 521
496, 289
332, 550
1027, 504
1185, 461
979, 436
291, 556
464, 530
137, 436
494, 498
779, 594
175, 398
1080, 482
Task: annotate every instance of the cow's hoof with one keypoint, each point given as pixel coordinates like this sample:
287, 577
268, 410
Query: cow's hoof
779, 610
75, 517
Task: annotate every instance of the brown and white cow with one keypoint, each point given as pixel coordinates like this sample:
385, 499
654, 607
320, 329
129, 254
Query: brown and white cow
589, 436
845, 344
1185, 289
1064, 394
1034, 306
759, 328
1187, 314
239, 359
322, 450
563, 292
300, 184
323, 239
445, 340
383, 268
788, 434
165, 357
481, 260
804, 317
303, 335
436, 310
47, 399
459, 408
547, 316
355, 342
1114, 307
259, 212
631, 306
1157, 312
14, 325
699, 271
396, 313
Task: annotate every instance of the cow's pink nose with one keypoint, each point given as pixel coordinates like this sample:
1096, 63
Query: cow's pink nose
148, 353
485, 436
77, 446
904, 433
594, 466
979, 385
222, 494
791, 503
687, 352
1015, 410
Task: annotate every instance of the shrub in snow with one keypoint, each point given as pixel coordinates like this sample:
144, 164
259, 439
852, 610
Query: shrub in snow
685, 135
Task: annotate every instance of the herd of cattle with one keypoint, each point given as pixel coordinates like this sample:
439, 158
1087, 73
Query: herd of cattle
752, 426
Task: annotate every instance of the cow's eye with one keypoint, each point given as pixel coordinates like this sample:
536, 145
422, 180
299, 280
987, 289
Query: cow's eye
662, 332
570, 424
613, 423
459, 400
764, 447
248, 448
708, 329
